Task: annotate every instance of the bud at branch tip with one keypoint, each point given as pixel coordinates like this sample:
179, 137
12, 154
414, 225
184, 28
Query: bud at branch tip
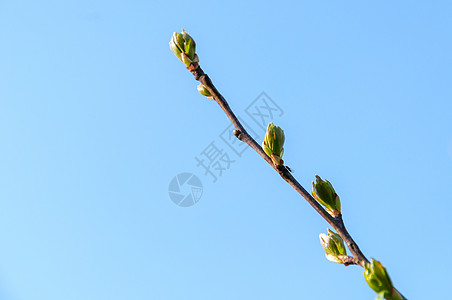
184, 47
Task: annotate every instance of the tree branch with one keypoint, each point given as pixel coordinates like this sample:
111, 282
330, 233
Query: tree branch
240, 132
243, 135
349, 260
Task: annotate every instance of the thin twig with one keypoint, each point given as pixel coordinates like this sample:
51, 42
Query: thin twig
349, 260
337, 223
243, 135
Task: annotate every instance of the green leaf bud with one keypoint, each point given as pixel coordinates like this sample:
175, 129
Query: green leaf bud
378, 279
273, 144
184, 47
324, 193
203, 91
333, 246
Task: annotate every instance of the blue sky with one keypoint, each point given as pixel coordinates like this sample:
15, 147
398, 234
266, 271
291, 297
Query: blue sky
98, 116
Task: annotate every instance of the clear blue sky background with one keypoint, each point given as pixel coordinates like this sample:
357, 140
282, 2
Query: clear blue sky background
97, 116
